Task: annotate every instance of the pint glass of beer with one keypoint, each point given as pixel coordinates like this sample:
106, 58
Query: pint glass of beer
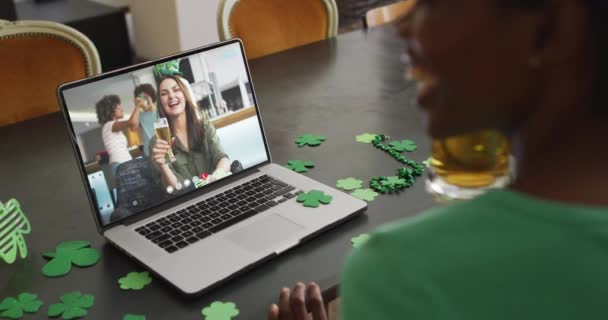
163, 132
465, 166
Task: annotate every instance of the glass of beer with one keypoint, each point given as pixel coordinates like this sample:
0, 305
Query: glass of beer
163, 132
466, 166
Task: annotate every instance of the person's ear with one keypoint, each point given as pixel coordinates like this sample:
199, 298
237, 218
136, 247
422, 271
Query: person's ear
564, 28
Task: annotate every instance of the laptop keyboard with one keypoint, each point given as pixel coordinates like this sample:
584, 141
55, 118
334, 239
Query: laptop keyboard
187, 226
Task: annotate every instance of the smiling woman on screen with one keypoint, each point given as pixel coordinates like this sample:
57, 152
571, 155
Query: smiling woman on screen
194, 141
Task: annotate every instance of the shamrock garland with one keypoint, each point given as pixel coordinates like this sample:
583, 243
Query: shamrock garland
403, 145
366, 137
405, 176
68, 253
14, 308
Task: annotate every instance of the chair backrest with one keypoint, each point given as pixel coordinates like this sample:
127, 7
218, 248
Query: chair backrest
388, 13
269, 26
35, 58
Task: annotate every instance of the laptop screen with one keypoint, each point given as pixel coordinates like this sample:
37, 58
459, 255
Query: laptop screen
149, 134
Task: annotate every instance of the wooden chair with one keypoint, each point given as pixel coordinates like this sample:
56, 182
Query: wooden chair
269, 26
35, 58
387, 14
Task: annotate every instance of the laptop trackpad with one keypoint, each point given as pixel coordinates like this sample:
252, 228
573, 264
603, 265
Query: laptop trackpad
264, 234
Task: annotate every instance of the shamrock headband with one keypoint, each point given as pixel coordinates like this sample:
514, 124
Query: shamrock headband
169, 68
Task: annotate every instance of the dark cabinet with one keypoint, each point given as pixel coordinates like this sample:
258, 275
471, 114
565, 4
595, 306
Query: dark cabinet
104, 25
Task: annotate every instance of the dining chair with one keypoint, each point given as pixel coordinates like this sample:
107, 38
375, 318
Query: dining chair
269, 26
387, 14
35, 58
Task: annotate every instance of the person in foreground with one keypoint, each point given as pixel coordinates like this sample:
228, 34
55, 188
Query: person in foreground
537, 250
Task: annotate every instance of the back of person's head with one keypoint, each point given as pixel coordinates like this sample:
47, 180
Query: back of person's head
147, 89
105, 108
598, 13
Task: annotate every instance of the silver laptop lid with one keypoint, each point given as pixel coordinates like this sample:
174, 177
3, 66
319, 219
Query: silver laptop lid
150, 134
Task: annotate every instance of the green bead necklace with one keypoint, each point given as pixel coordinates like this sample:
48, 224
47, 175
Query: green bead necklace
405, 176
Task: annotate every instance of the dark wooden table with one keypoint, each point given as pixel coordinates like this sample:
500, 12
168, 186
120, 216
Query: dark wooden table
338, 88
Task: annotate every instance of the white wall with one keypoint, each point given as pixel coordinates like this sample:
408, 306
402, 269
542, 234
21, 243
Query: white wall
155, 27
197, 22
164, 27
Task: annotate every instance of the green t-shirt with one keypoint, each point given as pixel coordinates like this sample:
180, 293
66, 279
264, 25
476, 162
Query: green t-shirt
199, 159
502, 256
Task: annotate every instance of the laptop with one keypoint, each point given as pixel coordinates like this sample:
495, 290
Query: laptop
195, 213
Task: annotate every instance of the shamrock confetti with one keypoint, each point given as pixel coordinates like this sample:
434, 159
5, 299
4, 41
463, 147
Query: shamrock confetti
360, 240
394, 182
366, 137
314, 198
220, 311
135, 281
73, 305
133, 317
349, 184
310, 139
13, 225
404, 145
365, 194
14, 308
427, 162
299, 165
76, 252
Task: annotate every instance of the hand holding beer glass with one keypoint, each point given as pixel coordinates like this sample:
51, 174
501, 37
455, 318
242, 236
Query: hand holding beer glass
466, 166
162, 152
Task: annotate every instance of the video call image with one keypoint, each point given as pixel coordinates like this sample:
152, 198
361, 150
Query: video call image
165, 130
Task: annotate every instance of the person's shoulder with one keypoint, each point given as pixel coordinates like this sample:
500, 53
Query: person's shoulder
427, 230
108, 125
465, 214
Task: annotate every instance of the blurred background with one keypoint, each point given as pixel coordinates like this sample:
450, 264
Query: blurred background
148, 29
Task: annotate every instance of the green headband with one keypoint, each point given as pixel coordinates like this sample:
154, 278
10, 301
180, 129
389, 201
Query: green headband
169, 68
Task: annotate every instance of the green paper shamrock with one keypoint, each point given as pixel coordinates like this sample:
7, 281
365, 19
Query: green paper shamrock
220, 311
314, 198
73, 305
299, 165
14, 308
133, 317
135, 281
68, 253
366, 137
427, 162
394, 182
310, 139
13, 225
404, 145
360, 240
349, 184
169, 68
365, 194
